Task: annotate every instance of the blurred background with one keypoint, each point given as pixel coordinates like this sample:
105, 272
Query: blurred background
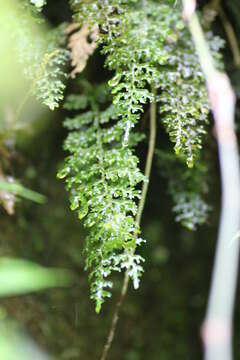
161, 320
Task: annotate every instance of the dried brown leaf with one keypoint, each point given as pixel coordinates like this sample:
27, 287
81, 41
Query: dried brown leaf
80, 46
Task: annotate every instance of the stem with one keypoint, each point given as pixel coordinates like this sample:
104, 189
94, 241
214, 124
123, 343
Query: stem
217, 327
232, 38
115, 317
148, 166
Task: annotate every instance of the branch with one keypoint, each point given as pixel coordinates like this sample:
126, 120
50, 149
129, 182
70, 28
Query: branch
148, 166
217, 327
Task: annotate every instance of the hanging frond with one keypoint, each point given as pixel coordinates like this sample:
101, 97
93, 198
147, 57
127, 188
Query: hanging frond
145, 45
101, 175
41, 54
188, 188
184, 106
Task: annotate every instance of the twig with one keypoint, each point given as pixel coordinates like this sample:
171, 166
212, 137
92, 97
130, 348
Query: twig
148, 166
115, 318
232, 38
217, 327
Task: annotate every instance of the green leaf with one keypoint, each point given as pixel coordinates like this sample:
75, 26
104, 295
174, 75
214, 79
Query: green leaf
20, 190
83, 208
20, 277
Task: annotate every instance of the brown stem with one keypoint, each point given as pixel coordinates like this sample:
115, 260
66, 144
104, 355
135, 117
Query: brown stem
115, 318
148, 166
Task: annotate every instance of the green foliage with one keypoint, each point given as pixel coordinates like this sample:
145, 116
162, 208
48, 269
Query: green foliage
132, 38
101, 174
135, 57
188, 188
21, 276
184, 104
48, 83
17, 189
40, 52
145, 46
146, 43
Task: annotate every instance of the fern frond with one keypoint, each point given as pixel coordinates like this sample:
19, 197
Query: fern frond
184, 106
41, 55
132, 39
48, 85
146, 43
146, 46
187, 187
101, 175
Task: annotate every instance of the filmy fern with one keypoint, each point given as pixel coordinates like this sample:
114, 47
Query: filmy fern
41, 55
101, 175
132, 37
187, 187
145, 46
146, 43
184, 106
